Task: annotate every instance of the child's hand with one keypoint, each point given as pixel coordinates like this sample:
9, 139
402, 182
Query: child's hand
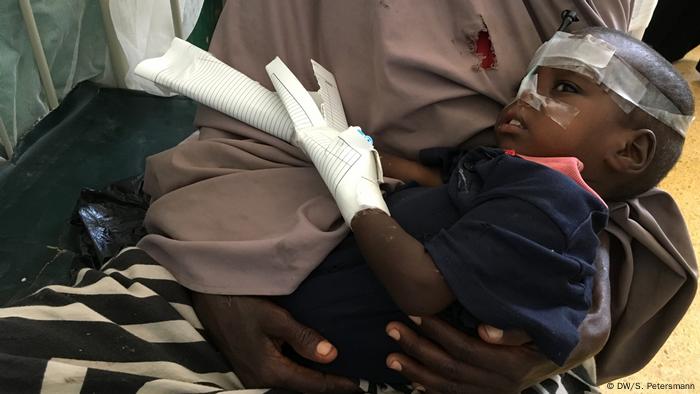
409, 170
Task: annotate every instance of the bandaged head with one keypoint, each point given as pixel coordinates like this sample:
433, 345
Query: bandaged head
595, 59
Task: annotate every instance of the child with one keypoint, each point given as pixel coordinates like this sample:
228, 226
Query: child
510, 238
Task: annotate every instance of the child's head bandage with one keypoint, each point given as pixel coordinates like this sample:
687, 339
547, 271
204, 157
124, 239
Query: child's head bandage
595, 58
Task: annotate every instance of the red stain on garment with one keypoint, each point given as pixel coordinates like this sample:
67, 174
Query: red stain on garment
483, 48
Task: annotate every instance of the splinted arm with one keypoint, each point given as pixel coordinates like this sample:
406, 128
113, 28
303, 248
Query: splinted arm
401, 263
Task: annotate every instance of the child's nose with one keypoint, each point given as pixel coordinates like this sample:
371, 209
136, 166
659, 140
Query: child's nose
531, 98
527, 95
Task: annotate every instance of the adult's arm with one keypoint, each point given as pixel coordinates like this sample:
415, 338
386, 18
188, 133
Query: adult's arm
249, 331
446, 360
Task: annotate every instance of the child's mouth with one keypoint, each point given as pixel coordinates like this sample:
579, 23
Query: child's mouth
512, 126
516, 122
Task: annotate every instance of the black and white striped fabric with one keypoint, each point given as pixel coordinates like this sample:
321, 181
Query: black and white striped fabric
129, 328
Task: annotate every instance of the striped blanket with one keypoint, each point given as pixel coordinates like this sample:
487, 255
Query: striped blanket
127, 328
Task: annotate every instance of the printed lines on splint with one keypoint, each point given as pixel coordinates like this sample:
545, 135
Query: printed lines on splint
338, 156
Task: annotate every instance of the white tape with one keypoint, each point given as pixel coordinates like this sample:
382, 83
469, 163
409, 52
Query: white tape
587, 49
559, 111
595, 58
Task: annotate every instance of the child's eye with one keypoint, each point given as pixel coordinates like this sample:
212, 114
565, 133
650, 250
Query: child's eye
564, 86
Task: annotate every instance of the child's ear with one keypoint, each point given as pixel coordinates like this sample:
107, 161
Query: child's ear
634, 150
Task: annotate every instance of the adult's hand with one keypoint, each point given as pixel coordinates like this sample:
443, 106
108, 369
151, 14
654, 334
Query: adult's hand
445, 360
250, 331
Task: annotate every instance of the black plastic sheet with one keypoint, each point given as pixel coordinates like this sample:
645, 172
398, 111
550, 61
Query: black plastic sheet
110, 219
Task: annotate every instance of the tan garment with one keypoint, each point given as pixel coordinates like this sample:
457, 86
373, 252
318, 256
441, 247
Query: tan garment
653, 280
239, 212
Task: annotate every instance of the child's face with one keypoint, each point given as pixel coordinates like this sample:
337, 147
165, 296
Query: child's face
585, 137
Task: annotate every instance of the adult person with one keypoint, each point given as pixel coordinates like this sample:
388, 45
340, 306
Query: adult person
412, 68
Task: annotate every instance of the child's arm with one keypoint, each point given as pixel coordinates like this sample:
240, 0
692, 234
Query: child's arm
401, 263
409, 170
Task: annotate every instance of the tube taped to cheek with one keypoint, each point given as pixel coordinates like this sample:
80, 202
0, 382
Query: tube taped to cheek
560, 112
595, 59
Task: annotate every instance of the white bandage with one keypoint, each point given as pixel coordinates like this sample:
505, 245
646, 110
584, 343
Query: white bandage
595, 58
197, 74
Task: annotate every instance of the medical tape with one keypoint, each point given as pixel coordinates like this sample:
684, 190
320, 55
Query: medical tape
559, 111
595, 58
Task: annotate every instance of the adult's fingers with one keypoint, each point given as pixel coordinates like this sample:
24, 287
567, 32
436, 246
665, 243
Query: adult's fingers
460, 345
432, 381
496, 336
430, 354
275, 370
421, 349
295, 377
518, 366
305, 341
